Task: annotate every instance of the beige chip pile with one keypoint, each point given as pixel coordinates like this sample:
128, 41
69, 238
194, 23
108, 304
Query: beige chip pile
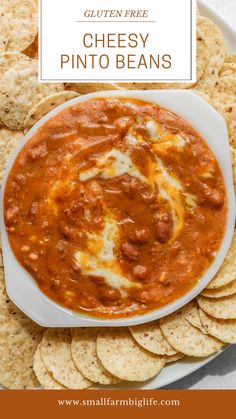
86, 358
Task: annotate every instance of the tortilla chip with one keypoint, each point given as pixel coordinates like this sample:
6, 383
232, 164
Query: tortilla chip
174, 358
46, 105
8, 142
20, 91
227, 272
83, 349
5, 30
186, 338
192, 316
124, 358
150, 337
42, 374
56, 354
23, 22
224, 330
225, 291
84, 88
215, 53
221, 308
18, 342
9, 59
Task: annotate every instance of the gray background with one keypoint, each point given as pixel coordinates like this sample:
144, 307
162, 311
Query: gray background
221, 372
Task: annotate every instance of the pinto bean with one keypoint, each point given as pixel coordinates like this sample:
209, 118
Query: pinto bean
163, 227
130, 251
140, 272
139, 236
214, 197
123, 123
11, 214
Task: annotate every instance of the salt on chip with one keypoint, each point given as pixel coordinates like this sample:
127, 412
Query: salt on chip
150, 337
224, 330
9, 59
56, 354
46, 105
124, 358
44, 377
215, 53
83, 349
20, 91
23, 22
5, 30
225, 291
186, 338
221, 308
18, 342
8, 142
227, 272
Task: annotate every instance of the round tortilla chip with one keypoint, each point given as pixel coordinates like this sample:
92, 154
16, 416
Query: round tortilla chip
186, 338
221, 308
9, 59
215, 52
18, 342
84, 88
83, 349
23, 23
42, 374
5, 30
150, 337
46, 105
56, 354
124, 358
192, 316
224, 330
20, 91
227, 272
174, 358
8, 142
225, 291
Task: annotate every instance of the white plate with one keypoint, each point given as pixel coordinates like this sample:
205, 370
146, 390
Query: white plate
182, 368
23, 290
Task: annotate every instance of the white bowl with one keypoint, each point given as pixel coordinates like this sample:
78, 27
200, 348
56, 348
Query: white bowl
23, 290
